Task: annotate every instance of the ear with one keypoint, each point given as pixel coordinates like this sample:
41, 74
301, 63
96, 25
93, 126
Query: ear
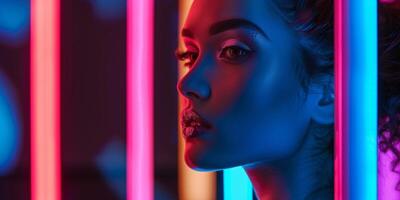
322, 98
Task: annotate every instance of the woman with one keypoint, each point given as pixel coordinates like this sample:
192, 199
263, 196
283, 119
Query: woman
260, 95
389, 102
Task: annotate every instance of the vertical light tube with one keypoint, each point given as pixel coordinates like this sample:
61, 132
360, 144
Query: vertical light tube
356, 60
45, 100
140, 22
193, 185
237, 185
363, 86
340, 47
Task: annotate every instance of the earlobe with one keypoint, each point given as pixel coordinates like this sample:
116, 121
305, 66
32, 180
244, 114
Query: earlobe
324, 114
323, 108
328, 97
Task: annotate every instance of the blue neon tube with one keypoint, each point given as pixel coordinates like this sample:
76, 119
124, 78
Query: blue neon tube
237, 185
363, 90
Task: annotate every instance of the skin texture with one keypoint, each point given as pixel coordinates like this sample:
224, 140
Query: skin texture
245, 82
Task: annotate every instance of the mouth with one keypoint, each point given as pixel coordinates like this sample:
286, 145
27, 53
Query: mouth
193, 125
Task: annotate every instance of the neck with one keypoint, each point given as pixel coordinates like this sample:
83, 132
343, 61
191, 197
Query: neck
306, 175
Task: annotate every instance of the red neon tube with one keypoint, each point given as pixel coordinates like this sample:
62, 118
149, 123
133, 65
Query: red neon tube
140, 99
45, 99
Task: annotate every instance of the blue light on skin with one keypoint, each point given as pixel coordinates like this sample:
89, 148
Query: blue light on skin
9, 127
237, 185
242, 82
363, 59
14, 21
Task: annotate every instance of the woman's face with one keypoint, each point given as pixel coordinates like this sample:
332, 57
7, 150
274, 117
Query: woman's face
245, 103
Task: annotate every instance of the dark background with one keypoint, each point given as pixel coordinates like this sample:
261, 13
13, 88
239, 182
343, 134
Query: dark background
93, 120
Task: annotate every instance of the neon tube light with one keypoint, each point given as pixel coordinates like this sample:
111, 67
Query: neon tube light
356, 99
193, 185
45, 100
363, 111
237, 185
140, 20
340, 99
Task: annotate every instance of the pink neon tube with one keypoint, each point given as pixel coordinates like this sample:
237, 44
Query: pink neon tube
140, 99
45, 99
340, 100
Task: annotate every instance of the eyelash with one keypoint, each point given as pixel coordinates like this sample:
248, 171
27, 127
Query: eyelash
190, 56
187, 55
243, 54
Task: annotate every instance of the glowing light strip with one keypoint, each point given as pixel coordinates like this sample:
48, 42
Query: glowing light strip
237, 185
193, 185
45, 100
356, 99
363, 86
340, 99
140, 21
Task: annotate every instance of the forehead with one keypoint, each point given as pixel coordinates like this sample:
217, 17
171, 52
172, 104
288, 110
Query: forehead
204, 13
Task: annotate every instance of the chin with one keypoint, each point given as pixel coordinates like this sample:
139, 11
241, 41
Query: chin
195, 163
206, 161
201, 162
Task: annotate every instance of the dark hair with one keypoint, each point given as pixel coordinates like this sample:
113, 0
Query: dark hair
314, 21
389, 81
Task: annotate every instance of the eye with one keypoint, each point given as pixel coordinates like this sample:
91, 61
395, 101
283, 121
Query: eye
234, 54
188, 57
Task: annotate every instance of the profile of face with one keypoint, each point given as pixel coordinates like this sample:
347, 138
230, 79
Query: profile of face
245, 102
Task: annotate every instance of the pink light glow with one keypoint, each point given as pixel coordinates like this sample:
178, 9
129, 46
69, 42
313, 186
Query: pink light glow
340, 102
45, 100
140, 99
387, 1
388, 179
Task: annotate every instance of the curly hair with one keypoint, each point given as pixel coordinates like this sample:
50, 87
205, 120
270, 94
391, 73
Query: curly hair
314, 22
389, 82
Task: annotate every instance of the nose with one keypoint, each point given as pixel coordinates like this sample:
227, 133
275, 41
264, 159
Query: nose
194, 86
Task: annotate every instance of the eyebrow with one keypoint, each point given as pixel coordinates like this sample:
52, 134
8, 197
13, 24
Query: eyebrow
229, 24
226, 25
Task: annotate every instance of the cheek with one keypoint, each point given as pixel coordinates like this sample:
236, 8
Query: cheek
267, 121
276, 137
227, 83
245, 140
258, 115
257, 135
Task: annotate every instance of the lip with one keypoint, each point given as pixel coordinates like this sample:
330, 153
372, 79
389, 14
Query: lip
193, 125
